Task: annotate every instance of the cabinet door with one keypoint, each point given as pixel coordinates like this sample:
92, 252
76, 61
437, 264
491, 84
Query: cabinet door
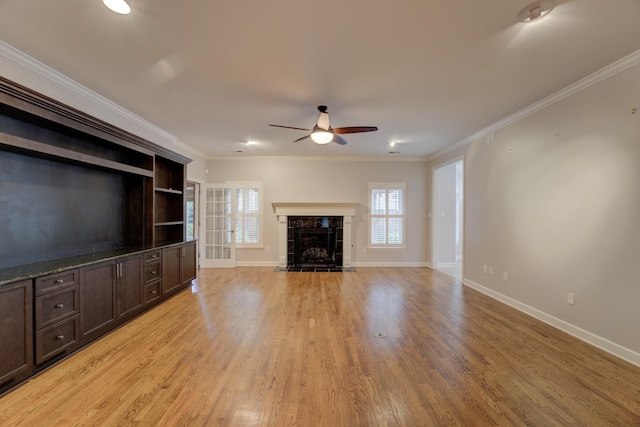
16, 332
188, 263
97, 300
171, 264
129, 286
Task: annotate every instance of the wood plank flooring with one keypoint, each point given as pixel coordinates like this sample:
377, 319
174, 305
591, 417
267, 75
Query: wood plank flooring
254, 347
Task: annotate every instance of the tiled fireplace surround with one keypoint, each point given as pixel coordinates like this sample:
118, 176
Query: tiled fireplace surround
307, 214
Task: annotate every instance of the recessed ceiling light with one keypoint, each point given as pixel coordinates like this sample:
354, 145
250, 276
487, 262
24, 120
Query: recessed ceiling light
118, 6
536, 10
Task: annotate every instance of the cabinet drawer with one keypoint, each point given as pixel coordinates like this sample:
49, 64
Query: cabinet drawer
56, 281
57, 338
56, 306
153, 256
151, 291
152, 271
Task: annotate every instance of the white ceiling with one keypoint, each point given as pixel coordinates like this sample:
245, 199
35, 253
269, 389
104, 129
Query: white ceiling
428, 73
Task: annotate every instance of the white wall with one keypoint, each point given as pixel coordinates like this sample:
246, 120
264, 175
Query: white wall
322, 180
553, 200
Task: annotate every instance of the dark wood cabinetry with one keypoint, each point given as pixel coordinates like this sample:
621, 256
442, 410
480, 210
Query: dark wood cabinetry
178, 267
152, 276
129, 286
97, 300
171, 264
16, 355
57, 313
88, 211
189, 260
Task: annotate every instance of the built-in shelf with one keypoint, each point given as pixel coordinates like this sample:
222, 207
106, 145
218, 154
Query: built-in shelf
168, 190
42, 150
168, 200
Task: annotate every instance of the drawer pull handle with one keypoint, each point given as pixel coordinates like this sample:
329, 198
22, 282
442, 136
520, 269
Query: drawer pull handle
154, 292
59, 281
59, 305
154, 256
60, 337
154, 272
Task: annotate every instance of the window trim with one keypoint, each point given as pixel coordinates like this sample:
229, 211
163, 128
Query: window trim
387, 186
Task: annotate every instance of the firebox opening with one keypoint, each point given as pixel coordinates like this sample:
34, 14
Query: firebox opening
315, 247
315, 241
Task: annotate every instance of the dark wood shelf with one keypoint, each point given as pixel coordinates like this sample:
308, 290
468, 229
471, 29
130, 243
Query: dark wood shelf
164, 224
39, 149
168, 190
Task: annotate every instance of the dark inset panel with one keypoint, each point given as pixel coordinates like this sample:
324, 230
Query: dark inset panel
50, 210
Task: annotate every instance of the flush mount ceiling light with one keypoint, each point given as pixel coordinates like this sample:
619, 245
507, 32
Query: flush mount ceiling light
536, 10
118, 6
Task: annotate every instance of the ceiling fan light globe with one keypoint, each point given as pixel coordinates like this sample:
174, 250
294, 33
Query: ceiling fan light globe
118, 6
321, 137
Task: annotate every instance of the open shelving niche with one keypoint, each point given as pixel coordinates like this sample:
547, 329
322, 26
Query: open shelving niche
169, 201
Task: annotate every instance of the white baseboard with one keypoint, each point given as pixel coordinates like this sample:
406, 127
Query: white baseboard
257, 264
392, 264
586, 336
361, 264
446, 265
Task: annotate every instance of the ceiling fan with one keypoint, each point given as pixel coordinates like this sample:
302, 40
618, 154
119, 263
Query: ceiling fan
323, 133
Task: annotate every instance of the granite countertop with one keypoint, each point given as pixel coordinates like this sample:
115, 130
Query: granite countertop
30, 271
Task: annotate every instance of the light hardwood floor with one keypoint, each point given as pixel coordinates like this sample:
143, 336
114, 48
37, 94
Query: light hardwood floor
254, 347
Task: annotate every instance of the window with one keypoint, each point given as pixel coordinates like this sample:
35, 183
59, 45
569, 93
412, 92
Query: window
387, 215
248, 215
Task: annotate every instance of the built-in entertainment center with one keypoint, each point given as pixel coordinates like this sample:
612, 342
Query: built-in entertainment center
92, 224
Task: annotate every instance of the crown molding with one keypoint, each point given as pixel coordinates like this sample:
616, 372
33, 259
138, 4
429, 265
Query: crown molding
323, 158
59, 79
611, 70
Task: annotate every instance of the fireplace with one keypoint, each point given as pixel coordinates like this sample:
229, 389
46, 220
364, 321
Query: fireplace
314, 235
314, 241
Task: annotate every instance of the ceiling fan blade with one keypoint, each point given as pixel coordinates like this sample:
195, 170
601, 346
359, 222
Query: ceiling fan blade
290, 127
303, 138
339, 140
354, 129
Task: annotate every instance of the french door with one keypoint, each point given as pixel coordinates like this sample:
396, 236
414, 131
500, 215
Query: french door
219, 222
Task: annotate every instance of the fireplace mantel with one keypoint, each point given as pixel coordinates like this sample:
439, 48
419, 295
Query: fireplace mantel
286, 209
314, 208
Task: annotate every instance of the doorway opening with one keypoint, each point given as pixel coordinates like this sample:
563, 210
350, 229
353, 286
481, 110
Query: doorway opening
448, 218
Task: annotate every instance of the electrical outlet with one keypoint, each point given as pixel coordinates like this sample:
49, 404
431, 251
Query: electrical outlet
490, 270
571, 299
484, 268
268, 249
505, 276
